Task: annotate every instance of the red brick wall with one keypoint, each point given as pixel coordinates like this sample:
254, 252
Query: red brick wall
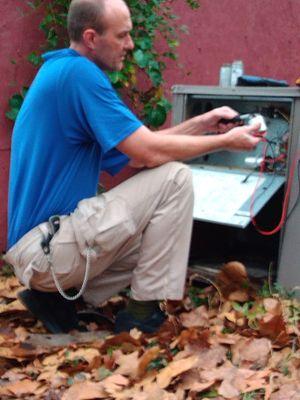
262, 33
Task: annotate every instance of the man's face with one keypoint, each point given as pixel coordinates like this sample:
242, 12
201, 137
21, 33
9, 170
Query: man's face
111, 47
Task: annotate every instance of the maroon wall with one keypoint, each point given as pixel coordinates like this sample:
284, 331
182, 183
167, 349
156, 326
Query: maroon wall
19, 35
262, 33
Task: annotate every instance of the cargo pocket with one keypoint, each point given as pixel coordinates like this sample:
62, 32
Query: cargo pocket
103, 224
27, 256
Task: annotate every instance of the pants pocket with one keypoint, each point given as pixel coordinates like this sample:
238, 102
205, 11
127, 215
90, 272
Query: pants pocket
105, 225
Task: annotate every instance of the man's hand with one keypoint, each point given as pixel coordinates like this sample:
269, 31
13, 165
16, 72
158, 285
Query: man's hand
242, 138
211, 120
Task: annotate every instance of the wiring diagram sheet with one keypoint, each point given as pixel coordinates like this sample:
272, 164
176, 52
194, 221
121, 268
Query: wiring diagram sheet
219, 195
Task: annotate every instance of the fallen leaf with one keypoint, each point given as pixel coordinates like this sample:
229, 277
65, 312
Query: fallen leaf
147, 357
195, 318
24, 387
191, 381
175, 368
14, 306
232, 278
274, 327
228, 390
127, 364
287, 392
254, 352
114, 384
85, 391
193, 336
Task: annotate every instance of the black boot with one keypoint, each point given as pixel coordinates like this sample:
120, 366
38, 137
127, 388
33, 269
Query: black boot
56, 313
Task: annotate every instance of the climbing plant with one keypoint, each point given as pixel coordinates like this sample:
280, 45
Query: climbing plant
142, 77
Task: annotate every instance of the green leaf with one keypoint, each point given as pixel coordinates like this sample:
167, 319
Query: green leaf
34, 58
157, 364
210, 395
155, 77
103, 373
15, 101
173, 43
165, 103
24, 91
144, 43
156, 116
171, 55
115, 76
12, 114
141, 58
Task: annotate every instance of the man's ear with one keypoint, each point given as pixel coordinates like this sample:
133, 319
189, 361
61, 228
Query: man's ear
88, 38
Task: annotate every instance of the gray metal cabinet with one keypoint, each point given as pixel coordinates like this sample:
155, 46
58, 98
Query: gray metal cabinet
281, 109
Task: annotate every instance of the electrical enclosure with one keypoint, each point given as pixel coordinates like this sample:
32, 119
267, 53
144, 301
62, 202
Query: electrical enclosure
234, 189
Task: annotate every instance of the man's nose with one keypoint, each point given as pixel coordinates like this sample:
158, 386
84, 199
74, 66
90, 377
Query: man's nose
130, 43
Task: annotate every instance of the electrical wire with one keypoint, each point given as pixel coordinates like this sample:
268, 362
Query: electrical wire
285, 200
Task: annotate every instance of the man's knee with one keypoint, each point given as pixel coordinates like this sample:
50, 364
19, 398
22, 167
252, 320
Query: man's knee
181, 174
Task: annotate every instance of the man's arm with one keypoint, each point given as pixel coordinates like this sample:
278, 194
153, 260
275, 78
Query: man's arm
151, 149
207, 122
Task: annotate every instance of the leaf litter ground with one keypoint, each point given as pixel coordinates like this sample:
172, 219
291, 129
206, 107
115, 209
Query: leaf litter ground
234, 339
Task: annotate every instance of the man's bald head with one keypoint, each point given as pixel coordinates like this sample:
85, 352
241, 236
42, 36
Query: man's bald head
100, 30
84, 14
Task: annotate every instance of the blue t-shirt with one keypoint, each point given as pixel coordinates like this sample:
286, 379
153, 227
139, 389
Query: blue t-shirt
65, 134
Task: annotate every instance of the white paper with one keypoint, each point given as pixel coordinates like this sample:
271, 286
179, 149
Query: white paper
219, 195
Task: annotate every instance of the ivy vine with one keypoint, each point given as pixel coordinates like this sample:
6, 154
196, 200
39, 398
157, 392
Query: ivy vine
153, 21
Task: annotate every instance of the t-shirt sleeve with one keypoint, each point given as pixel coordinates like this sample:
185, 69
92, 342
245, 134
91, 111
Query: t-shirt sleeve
103, 115
113, 161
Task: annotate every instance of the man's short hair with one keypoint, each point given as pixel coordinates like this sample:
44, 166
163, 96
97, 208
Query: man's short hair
84, 14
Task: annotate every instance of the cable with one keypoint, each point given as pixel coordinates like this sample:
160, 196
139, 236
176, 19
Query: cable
285, 200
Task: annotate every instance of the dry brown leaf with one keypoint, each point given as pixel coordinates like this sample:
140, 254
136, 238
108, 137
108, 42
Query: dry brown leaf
21, 334
251, 352
239, 295
54, 359
24, 387
191, 381
10, 293
228, 338
272, 306
8, 283
13, 375
114, 384
232, 278
193, 336
121, 340
127, 364
147, 357
85, 391
274, 327
287, 392
228, 390
195, 318
175, 368
57, 378
14, 306
88, 354
211, 358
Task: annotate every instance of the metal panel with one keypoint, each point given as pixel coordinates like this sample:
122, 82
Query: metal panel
289, 261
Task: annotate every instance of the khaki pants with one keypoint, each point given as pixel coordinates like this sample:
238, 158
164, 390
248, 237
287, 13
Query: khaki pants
138, 232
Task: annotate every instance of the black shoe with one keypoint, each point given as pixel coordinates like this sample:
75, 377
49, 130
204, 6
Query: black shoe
56, 313
125, 322
95, 315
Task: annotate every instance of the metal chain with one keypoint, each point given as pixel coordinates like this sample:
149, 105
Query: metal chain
85, 278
